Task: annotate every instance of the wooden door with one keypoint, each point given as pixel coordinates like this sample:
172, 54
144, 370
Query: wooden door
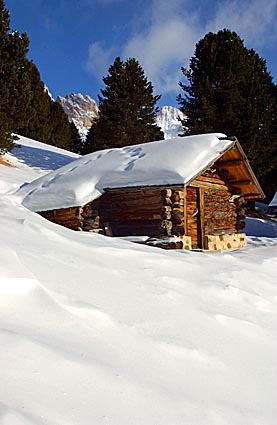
195, 216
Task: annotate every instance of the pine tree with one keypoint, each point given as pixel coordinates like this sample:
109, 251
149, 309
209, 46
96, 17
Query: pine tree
60, 127
15, 94
229, 90
47, 122
39, 125
127, 109
77, 144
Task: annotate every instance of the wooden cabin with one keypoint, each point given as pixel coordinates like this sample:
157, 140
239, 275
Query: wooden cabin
204, 213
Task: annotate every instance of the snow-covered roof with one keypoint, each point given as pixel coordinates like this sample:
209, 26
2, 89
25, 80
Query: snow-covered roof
166, 162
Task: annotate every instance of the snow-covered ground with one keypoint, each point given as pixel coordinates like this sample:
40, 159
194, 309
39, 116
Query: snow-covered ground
97, 330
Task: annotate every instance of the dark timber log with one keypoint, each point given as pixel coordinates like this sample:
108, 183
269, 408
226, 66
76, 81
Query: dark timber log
239, 182
230, 163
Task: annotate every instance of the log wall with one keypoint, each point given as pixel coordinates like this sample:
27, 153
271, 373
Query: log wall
205, 208
67, 217
192, 215
219, 211
155, 212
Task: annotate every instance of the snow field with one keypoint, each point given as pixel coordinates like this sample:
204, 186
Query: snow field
97, 330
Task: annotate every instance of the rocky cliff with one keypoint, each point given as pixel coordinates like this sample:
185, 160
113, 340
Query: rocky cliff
82, 110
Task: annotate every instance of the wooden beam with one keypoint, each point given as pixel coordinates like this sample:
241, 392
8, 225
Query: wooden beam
147, 187
230, 163
206, 185
201, 217
252, 196
239, 182
185, 211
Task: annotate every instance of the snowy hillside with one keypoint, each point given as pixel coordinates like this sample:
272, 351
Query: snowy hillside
97, 330
169, 121
82, 110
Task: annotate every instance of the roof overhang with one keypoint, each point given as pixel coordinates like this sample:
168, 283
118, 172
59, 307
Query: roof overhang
232, 162
239, 174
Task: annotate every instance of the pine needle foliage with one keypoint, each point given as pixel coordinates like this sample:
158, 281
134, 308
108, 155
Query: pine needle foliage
230, 91
60, 135
39, 124
47, 121
77, 143
15, 92
127, 109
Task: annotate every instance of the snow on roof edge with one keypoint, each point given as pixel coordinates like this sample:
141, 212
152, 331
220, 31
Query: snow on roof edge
160, 163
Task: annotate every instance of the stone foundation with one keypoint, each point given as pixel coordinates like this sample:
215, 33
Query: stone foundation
224, 242
212, 243
186, 242
215, 243
166, 243
174, 242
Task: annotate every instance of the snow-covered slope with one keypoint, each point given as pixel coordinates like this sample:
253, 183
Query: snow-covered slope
32, 160
39, 156
82, 110
169, 121
96, 330
260, 227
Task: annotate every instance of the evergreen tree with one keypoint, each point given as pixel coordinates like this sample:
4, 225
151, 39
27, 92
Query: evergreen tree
39, 125
47, 122
229, 90
77, 144
269, 180
127, 109
15, 92
60, 127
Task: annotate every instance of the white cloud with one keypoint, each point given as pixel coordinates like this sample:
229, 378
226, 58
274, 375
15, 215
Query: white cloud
164, 10
175, 27
100, 59
162, 50
166, 32
164, 41
253, 20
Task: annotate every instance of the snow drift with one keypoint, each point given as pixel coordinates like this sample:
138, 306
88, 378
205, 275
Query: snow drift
97, 330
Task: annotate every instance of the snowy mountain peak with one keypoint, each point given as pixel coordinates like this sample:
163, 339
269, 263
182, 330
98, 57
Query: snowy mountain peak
169, 121
81, 109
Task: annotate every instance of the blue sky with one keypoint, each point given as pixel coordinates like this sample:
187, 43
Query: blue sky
73, 42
